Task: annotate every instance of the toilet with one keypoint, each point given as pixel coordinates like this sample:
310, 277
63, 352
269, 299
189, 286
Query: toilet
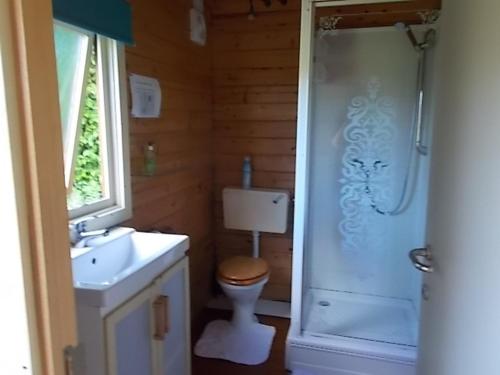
243, 339
242, 279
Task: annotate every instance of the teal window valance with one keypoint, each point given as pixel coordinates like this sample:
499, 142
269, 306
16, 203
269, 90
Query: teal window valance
110, 18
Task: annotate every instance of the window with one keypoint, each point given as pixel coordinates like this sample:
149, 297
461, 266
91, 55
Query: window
94, 125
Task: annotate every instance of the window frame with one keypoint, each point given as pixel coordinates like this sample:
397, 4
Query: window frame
77, 106
116, 206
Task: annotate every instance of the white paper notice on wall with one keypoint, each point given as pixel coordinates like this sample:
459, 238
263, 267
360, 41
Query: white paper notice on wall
146, 96
198, 27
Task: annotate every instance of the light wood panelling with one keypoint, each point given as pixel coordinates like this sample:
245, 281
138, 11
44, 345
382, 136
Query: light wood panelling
255, 105
241, 7
178, 198
255, 112
240, 90
231, 7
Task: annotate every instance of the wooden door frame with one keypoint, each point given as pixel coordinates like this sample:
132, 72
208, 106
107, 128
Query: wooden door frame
34, 117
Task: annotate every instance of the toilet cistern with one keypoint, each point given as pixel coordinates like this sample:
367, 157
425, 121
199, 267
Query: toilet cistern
264, 210
242, 278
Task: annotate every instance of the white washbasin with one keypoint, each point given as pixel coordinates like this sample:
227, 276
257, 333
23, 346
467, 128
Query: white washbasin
115, 267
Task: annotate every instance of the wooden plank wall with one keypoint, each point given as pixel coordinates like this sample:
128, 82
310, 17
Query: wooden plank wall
255, 99
179, 198
255, 110
237, 96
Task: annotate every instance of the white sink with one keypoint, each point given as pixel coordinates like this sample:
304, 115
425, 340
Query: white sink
115, 267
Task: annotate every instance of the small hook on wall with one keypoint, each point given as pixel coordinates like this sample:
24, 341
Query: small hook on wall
267, 3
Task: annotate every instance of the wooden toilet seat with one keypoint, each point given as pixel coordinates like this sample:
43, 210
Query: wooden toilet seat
242, 270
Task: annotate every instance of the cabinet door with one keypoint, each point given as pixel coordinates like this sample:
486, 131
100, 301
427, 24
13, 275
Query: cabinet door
129, 337
174, 351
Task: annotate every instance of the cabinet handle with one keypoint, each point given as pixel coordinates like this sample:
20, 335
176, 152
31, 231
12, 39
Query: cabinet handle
160, 317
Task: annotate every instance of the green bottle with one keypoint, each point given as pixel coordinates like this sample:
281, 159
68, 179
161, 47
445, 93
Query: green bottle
150, 159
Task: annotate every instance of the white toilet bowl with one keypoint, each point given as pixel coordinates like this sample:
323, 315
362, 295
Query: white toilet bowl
244, 298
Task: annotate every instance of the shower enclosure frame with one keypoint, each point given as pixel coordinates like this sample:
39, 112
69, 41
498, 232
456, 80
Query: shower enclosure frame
320, 354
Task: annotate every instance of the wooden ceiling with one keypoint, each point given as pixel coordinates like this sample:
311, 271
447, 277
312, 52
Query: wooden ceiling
368, 15
239, 7
384, 14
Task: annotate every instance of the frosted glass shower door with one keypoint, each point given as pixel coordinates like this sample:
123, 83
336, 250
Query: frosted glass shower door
359, 282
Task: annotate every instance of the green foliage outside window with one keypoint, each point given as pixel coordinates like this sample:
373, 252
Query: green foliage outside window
87, 185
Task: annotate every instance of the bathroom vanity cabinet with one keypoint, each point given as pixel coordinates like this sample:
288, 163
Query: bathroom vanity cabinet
147, 334
150, 333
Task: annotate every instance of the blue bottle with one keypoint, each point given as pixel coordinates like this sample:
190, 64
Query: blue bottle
247, 173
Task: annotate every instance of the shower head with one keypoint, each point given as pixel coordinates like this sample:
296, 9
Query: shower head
403, 27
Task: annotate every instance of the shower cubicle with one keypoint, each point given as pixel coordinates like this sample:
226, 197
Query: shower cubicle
363, 150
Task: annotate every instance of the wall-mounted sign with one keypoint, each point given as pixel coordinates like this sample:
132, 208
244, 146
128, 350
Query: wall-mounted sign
146, 96
198, 26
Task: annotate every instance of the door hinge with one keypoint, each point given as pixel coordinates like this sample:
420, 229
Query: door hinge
69, 353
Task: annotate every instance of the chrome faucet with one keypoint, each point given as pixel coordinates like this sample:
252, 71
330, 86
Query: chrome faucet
80, 236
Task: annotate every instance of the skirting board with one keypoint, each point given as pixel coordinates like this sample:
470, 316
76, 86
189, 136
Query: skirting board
263, 307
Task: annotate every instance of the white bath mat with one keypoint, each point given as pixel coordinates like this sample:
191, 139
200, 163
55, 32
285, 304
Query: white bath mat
251, 346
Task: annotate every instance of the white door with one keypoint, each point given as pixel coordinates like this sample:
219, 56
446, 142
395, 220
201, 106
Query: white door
460, 332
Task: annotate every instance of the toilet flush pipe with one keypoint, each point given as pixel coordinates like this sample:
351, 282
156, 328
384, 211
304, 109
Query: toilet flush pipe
256, 237
247, 184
